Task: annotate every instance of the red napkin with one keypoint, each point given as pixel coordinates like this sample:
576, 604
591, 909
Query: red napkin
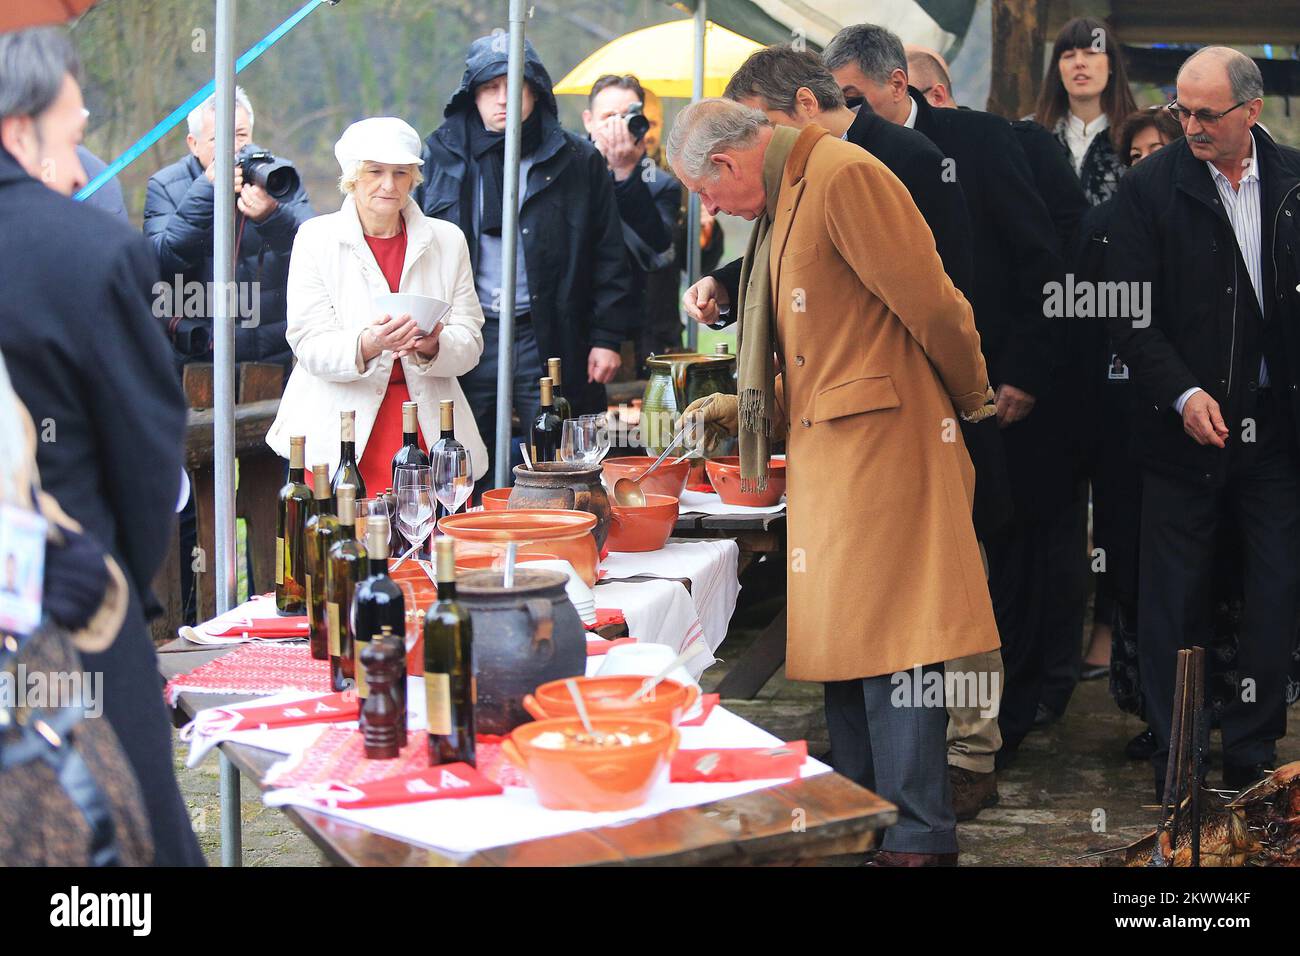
599, 646
707, 703
266, 627
447, 781
329, 709
605, 616
703, 487
741, 763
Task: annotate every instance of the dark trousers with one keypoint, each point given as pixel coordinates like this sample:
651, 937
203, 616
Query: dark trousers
480, 387
1180, 520
899, 752
1067, 603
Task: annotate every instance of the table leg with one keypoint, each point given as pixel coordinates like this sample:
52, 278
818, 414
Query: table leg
757, 665
232, 836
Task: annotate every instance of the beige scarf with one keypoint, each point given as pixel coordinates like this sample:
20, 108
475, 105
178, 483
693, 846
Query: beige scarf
756, 327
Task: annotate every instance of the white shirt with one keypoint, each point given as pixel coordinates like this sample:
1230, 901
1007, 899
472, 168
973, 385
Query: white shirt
1243, 208
911, 117
1079, 136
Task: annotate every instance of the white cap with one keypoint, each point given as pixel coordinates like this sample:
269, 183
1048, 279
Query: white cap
380, 139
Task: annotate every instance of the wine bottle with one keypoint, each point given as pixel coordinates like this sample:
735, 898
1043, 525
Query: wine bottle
322, 528
346, 565
449, 685
347, 471
378, 600
546, 428
410, 455
563, 407
446, 440
290, 547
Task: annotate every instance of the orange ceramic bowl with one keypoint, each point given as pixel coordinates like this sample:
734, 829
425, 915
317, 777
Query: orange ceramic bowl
591, 779
560, 534
496, 499
668, 479
724, 473
604, 697
643, 529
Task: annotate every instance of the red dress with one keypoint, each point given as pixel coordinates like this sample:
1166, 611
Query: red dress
386, 437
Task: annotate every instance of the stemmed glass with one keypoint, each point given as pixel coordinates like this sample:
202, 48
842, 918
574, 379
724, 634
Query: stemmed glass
595, 431
414, 516
573, 442
453, 477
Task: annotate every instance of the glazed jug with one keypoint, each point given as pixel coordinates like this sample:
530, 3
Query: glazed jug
524, 636
552, 485
676, 380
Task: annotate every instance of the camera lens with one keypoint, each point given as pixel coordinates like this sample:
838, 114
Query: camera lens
638, 126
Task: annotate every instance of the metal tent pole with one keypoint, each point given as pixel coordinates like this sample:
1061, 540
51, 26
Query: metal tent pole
509, 242
693, 208
223, 372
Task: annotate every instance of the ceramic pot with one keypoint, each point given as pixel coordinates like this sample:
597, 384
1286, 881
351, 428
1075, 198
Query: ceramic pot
676, 380
557, 485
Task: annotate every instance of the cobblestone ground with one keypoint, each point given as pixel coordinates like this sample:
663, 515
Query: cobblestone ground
1069, 779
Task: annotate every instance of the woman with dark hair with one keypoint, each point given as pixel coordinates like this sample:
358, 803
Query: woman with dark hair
1084, 100
1116, 488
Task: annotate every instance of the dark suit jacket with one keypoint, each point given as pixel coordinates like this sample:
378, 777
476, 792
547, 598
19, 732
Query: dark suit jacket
93, 366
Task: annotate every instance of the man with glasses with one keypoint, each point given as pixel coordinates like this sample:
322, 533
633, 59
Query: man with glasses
1207, 233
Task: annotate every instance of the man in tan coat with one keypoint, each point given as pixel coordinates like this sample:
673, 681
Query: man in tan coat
855, 346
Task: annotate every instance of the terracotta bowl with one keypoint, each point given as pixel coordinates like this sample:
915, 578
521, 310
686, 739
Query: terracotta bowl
604, 696
496, 499
593, 779
724, 474
668, 479
495, 560
560, 534
643, 529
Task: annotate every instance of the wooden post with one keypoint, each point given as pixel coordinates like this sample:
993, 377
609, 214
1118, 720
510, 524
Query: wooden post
1019, 28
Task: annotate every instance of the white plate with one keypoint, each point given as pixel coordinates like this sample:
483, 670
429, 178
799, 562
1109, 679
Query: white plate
424, 309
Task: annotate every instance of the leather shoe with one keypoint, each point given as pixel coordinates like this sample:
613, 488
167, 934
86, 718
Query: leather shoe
1141, 747
1241, 776
898, 858
1045, 715
971, 791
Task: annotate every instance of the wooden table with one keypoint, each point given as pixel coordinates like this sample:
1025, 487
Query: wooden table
757, 535
797, 822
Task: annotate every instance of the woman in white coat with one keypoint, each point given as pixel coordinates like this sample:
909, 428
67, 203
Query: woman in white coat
348, 357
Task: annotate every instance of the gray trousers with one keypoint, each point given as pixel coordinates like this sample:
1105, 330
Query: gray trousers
899, 752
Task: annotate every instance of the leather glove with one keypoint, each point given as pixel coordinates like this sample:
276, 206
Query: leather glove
717, 414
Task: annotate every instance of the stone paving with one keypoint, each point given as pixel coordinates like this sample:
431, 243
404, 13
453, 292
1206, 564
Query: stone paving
1071, 790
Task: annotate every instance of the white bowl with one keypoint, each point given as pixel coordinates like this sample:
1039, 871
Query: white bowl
643, 660
424, 309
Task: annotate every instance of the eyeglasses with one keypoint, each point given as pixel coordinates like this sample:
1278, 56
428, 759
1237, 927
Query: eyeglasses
1204, 117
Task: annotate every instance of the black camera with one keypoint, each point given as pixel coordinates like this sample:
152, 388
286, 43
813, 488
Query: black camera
261, 168
637, 124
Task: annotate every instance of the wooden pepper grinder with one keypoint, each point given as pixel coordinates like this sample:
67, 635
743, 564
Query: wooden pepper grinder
398, 679
379, 726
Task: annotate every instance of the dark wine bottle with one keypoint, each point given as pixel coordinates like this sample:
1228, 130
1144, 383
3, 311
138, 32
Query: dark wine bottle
347, 471
446, 440
410, 455
346, 566
449, 685
322, 528
290, 546
546, 428
563, 407
378, 600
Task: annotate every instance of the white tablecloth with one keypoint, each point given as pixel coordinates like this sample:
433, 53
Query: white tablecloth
657, 612
711, 566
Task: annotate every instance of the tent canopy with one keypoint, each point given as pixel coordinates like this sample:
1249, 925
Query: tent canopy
940, 24
662, 57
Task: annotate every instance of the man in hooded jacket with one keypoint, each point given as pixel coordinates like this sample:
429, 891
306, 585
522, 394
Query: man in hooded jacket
573, 281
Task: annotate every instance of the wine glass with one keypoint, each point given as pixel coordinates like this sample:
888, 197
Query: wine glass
453, 478
365, 509
573, 442
414, 504
595, 429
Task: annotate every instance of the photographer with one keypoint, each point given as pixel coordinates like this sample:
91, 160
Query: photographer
178, 214
649, 197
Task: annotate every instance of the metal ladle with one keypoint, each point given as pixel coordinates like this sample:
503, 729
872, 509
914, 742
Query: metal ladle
627, 491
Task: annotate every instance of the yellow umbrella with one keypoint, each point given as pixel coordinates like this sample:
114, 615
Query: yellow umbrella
662, 58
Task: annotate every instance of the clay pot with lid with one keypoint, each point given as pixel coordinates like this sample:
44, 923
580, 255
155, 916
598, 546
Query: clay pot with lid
560, 485
525, 635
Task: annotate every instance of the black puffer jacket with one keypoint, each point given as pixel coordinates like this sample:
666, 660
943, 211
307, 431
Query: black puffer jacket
178, 219
579, 277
